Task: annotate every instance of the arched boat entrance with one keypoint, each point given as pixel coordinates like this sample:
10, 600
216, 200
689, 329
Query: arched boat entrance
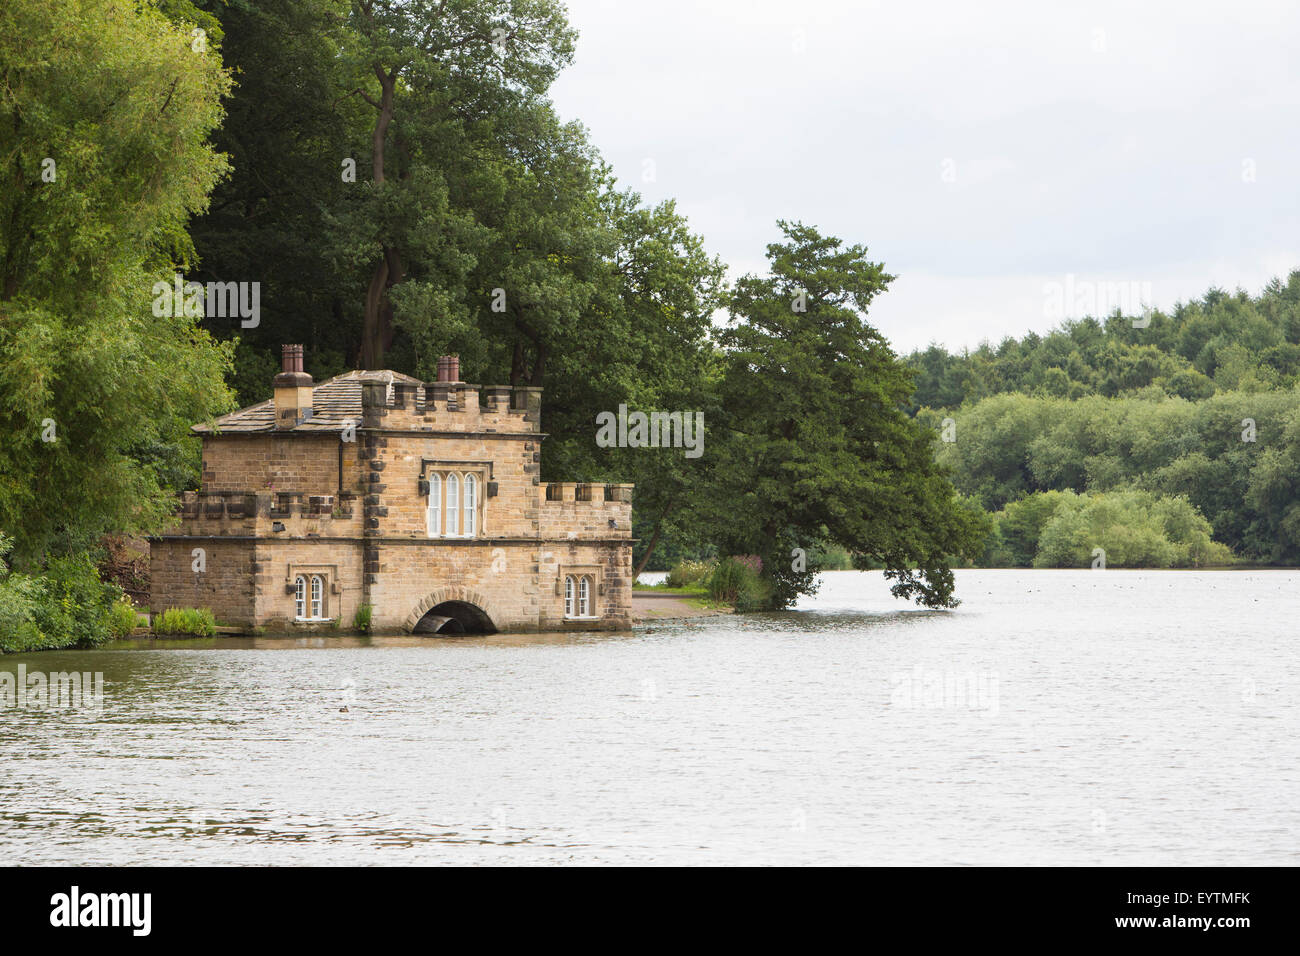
454, 617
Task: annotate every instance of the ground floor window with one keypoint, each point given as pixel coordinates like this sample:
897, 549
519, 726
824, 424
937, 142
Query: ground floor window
577, 595
309, 597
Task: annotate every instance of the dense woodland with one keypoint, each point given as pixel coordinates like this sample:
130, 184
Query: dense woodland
1174, 444
395, 179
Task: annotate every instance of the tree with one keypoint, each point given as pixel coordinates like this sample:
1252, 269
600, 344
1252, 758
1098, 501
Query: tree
418, 63
817, 441
105, 111
289, 142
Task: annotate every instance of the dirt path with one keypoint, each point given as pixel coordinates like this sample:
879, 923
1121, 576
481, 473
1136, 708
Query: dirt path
651, 606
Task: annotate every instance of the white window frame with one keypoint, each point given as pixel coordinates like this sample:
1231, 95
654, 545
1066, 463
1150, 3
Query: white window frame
300, 598
317, 598
469, 505
580, 596
452, 509
451, 512
433, 516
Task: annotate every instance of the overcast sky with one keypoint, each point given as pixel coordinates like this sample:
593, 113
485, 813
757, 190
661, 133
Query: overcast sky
983, 151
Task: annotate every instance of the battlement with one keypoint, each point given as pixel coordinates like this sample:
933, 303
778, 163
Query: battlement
450, 406
570, 509
268, 513
589, 492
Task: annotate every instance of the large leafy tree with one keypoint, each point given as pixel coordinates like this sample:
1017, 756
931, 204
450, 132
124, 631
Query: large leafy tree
287, 133
105, 110
817, 443
422, 66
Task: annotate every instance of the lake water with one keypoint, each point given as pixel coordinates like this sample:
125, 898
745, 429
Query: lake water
1056, 717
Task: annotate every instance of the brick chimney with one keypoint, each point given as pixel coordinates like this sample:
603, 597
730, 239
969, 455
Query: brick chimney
292, 389
449, 368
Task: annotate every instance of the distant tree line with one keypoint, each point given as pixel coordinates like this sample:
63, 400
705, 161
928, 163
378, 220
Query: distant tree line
1200, 406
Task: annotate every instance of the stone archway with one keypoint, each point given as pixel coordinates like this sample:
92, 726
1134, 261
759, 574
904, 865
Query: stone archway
466, 607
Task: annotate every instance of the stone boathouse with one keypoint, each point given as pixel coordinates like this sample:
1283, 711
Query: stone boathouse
422, 501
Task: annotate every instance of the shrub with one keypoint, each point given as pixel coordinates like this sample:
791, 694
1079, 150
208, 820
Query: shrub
736, 581
122, 617
1135, 529
361, 620
19, 594
685, 574
186, 620
67, 605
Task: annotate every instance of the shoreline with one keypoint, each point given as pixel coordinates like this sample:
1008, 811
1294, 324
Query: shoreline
651, 606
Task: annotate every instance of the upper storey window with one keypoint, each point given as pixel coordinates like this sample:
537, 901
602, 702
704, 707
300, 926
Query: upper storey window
453, 504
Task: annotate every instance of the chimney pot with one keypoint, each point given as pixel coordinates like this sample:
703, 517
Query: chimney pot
449, 368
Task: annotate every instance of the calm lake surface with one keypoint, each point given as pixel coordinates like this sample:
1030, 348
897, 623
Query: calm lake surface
1056, 717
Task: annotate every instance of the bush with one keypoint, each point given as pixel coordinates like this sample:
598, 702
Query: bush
67, 605
1135, 529
19, 595
122, 617
685, 574
361, 620
186, 620
736, 581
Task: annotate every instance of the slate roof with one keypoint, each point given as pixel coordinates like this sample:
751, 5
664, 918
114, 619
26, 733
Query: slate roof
335, 403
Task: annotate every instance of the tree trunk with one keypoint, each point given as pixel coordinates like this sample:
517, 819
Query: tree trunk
377, 323
517, 363
539, 367
650, 547
372, 340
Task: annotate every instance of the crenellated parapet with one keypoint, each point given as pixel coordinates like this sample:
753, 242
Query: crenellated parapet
267, 513
450, 407
569, 509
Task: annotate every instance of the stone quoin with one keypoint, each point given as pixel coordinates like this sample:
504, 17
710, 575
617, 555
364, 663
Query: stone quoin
419, 500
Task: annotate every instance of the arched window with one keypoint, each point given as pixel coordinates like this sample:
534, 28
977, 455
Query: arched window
469, 521
317, 597
584, 596
453, 513
300, 598
568, 595
435, 506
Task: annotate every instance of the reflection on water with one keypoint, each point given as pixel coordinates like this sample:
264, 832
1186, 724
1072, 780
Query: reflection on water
1055, 717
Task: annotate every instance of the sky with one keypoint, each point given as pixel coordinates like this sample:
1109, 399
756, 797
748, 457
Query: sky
1012, 164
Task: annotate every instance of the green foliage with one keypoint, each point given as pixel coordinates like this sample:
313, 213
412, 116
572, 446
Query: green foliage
1020, 525
814, 443
361, 619
122, 618
66, 606
98, 392
738, 583
196, 621
686, 574
1217, 343
1011, 446
829, 557
1133, 528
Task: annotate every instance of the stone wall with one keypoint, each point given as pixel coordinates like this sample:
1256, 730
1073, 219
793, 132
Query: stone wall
226, 586
281, 560
300, 462
517, 585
